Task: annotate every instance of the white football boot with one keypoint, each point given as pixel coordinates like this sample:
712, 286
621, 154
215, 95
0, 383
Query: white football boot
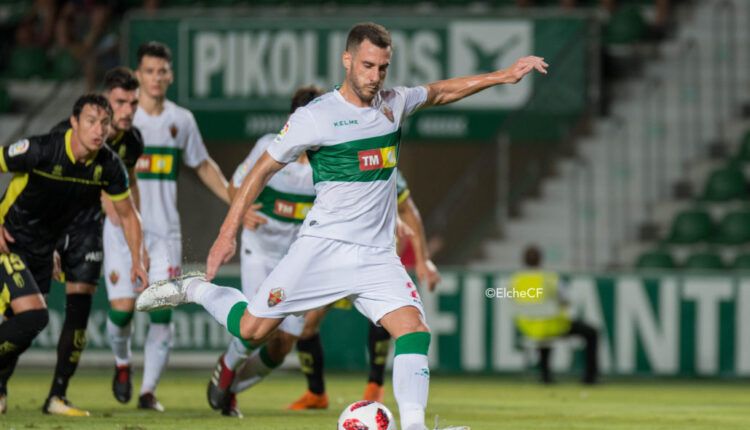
168, 293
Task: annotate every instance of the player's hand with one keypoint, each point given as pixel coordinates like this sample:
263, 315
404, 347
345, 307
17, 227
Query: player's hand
428, 274
252, 219
523, 66
139, 276
57, 273
221, 252
5, 238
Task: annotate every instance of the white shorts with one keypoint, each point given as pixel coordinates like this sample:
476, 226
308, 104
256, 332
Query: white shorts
165, 260
317, 271
255, 268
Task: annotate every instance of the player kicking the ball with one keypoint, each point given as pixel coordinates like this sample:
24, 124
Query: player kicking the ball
346, 244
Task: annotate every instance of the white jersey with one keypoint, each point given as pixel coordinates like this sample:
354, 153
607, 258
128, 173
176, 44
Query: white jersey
286, 199
170, 139
353, 153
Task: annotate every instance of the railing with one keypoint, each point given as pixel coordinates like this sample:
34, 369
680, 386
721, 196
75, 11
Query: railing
725, 64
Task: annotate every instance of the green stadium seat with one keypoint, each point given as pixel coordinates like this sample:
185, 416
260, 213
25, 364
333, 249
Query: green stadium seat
734, 228
741, 261
27, 62
743, 154
65, 66
626, 26
704, 260
655, 259
691, 226
725, 184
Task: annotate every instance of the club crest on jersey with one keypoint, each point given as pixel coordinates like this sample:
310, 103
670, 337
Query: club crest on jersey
18, 148
173, 130
275, 297
114, 277
97, 173
279, 137
380, 158
387, 112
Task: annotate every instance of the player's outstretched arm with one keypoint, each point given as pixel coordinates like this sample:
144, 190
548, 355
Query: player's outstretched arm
453, 90
224, 247
131, 227
210, 174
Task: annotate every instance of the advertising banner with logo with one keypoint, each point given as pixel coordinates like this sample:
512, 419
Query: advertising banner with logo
661, 325
237, 73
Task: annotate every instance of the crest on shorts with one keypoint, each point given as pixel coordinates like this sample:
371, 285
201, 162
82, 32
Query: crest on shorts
387, 112
275, 297
114, 276
173, 130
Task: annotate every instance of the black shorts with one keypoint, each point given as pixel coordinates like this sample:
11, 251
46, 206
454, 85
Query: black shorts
81, 252
16, 280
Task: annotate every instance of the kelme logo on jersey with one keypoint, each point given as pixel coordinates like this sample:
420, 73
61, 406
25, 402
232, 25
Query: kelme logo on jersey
381, 158
158, 163
291, 210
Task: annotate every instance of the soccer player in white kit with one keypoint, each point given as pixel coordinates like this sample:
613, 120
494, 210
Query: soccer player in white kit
346, 244
266, 238
170, 137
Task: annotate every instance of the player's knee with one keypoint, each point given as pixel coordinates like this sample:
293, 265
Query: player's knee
283, 344
33, 321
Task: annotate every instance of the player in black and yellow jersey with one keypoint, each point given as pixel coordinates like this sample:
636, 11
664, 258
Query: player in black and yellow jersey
57, 176
79, 250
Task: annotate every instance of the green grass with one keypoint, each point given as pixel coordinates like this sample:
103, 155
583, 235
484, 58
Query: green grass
482, 402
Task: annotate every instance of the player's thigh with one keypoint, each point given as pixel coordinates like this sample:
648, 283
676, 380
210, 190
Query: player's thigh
82, 253
254, 269
384, 287
315, 272
117, 264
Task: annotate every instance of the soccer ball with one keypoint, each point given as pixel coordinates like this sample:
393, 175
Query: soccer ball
366, 415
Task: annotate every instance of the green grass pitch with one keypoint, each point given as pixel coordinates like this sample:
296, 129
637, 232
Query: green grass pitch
484, 403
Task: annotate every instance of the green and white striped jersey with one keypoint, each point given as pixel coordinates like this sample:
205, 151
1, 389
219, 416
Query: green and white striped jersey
353, 153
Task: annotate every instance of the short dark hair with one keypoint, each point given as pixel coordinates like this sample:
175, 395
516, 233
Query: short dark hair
97, 100
532, 256
120, 77
154, 49
375, 33
305, 95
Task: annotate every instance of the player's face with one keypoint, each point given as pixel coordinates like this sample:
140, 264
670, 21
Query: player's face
91, 127
155, 76
124, 104
366, 69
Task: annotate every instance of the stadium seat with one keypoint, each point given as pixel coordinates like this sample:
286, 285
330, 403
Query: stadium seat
655, 259
741, 261
734, 228
725, 184
65, 66
691, 226
743, 154
704, 260
27, 62
626, 26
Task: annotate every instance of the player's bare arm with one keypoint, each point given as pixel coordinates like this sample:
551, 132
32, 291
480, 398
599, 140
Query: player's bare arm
453, 90
252, 219
210, 174
426, 270
224, 247
135, 194
5, 238
131, 227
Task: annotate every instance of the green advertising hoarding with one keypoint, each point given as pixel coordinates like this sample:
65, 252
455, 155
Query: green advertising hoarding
237, 73
670, 325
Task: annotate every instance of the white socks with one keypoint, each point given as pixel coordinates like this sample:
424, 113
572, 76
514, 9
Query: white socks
251, 372
411, 384
218, 301
156, 355
236, 354
119, 340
